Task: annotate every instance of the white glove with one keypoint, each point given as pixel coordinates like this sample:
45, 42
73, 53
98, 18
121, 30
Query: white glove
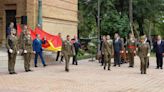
34, 52
148, 54
10, 50
126, 51
134, 51
17, 52
25, 51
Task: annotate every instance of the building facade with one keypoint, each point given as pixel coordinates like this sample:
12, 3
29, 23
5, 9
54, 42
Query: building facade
57, 15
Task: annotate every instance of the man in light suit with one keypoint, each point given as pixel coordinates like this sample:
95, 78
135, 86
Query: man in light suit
37, 47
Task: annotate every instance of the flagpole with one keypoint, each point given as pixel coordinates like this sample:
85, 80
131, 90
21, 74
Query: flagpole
40, 13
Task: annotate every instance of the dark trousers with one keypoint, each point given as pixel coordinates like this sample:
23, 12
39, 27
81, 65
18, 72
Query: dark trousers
75, 58
57, 57
102, 59
41, 57
117, 60
159, 58
148, 62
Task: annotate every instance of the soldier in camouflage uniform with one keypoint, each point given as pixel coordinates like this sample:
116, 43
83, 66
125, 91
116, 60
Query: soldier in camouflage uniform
143, 53
12, 46
131, 49
21, 39
27, 50
107, 51
67, 50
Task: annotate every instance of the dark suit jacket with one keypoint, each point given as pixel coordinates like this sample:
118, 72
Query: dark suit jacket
159, 49
76, 46
37, 45
8, 31
117, 46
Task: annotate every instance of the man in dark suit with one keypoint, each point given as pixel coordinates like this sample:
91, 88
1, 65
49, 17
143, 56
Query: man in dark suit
37, 47
8, 31
159, 49
59, 52
117, 48
76, 45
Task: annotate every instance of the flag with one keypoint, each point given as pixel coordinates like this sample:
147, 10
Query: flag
19, 30
53, 43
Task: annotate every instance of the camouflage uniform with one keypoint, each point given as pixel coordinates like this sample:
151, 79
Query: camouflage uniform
143, 51
27, 46
12, 43
107, 51
131, 48
67, 50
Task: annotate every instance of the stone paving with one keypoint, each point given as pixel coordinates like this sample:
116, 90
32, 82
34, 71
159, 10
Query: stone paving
86, 77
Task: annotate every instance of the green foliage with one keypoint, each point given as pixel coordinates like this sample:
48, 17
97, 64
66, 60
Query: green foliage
114, 15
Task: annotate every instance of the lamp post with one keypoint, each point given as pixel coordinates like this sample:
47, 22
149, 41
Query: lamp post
40, 13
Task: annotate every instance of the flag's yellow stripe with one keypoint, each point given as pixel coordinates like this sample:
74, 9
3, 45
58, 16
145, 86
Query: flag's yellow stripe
52, 48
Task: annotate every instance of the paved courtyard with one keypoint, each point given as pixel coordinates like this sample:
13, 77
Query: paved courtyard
86, 77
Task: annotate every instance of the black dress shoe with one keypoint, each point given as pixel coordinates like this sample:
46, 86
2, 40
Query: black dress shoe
157, 68
26, 70
114, 65
131, 66
161, 67
36, 66
104, 68
44, 65
30, 70
109, 69
10, 73
67, 70
14, 73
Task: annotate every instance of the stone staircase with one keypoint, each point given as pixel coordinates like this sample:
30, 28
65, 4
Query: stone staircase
48, 56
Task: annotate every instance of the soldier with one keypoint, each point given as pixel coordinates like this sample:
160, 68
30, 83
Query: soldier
147, 40
21, 39
143, 53
107, 51
131, 49
12, 46
67, 50
27, 50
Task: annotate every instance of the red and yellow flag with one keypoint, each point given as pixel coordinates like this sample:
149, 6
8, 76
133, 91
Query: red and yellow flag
19, 30
53, 43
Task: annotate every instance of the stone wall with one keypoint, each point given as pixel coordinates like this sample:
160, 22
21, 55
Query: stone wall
60, 16
18, 5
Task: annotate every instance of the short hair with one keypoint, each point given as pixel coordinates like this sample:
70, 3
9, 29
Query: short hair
37, 35
68, 35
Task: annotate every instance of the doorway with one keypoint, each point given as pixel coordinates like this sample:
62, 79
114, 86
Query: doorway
10, 17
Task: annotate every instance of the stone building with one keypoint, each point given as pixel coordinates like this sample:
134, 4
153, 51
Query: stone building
57, 15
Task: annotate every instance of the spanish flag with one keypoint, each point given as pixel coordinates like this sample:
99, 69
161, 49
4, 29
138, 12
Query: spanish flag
53, 42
